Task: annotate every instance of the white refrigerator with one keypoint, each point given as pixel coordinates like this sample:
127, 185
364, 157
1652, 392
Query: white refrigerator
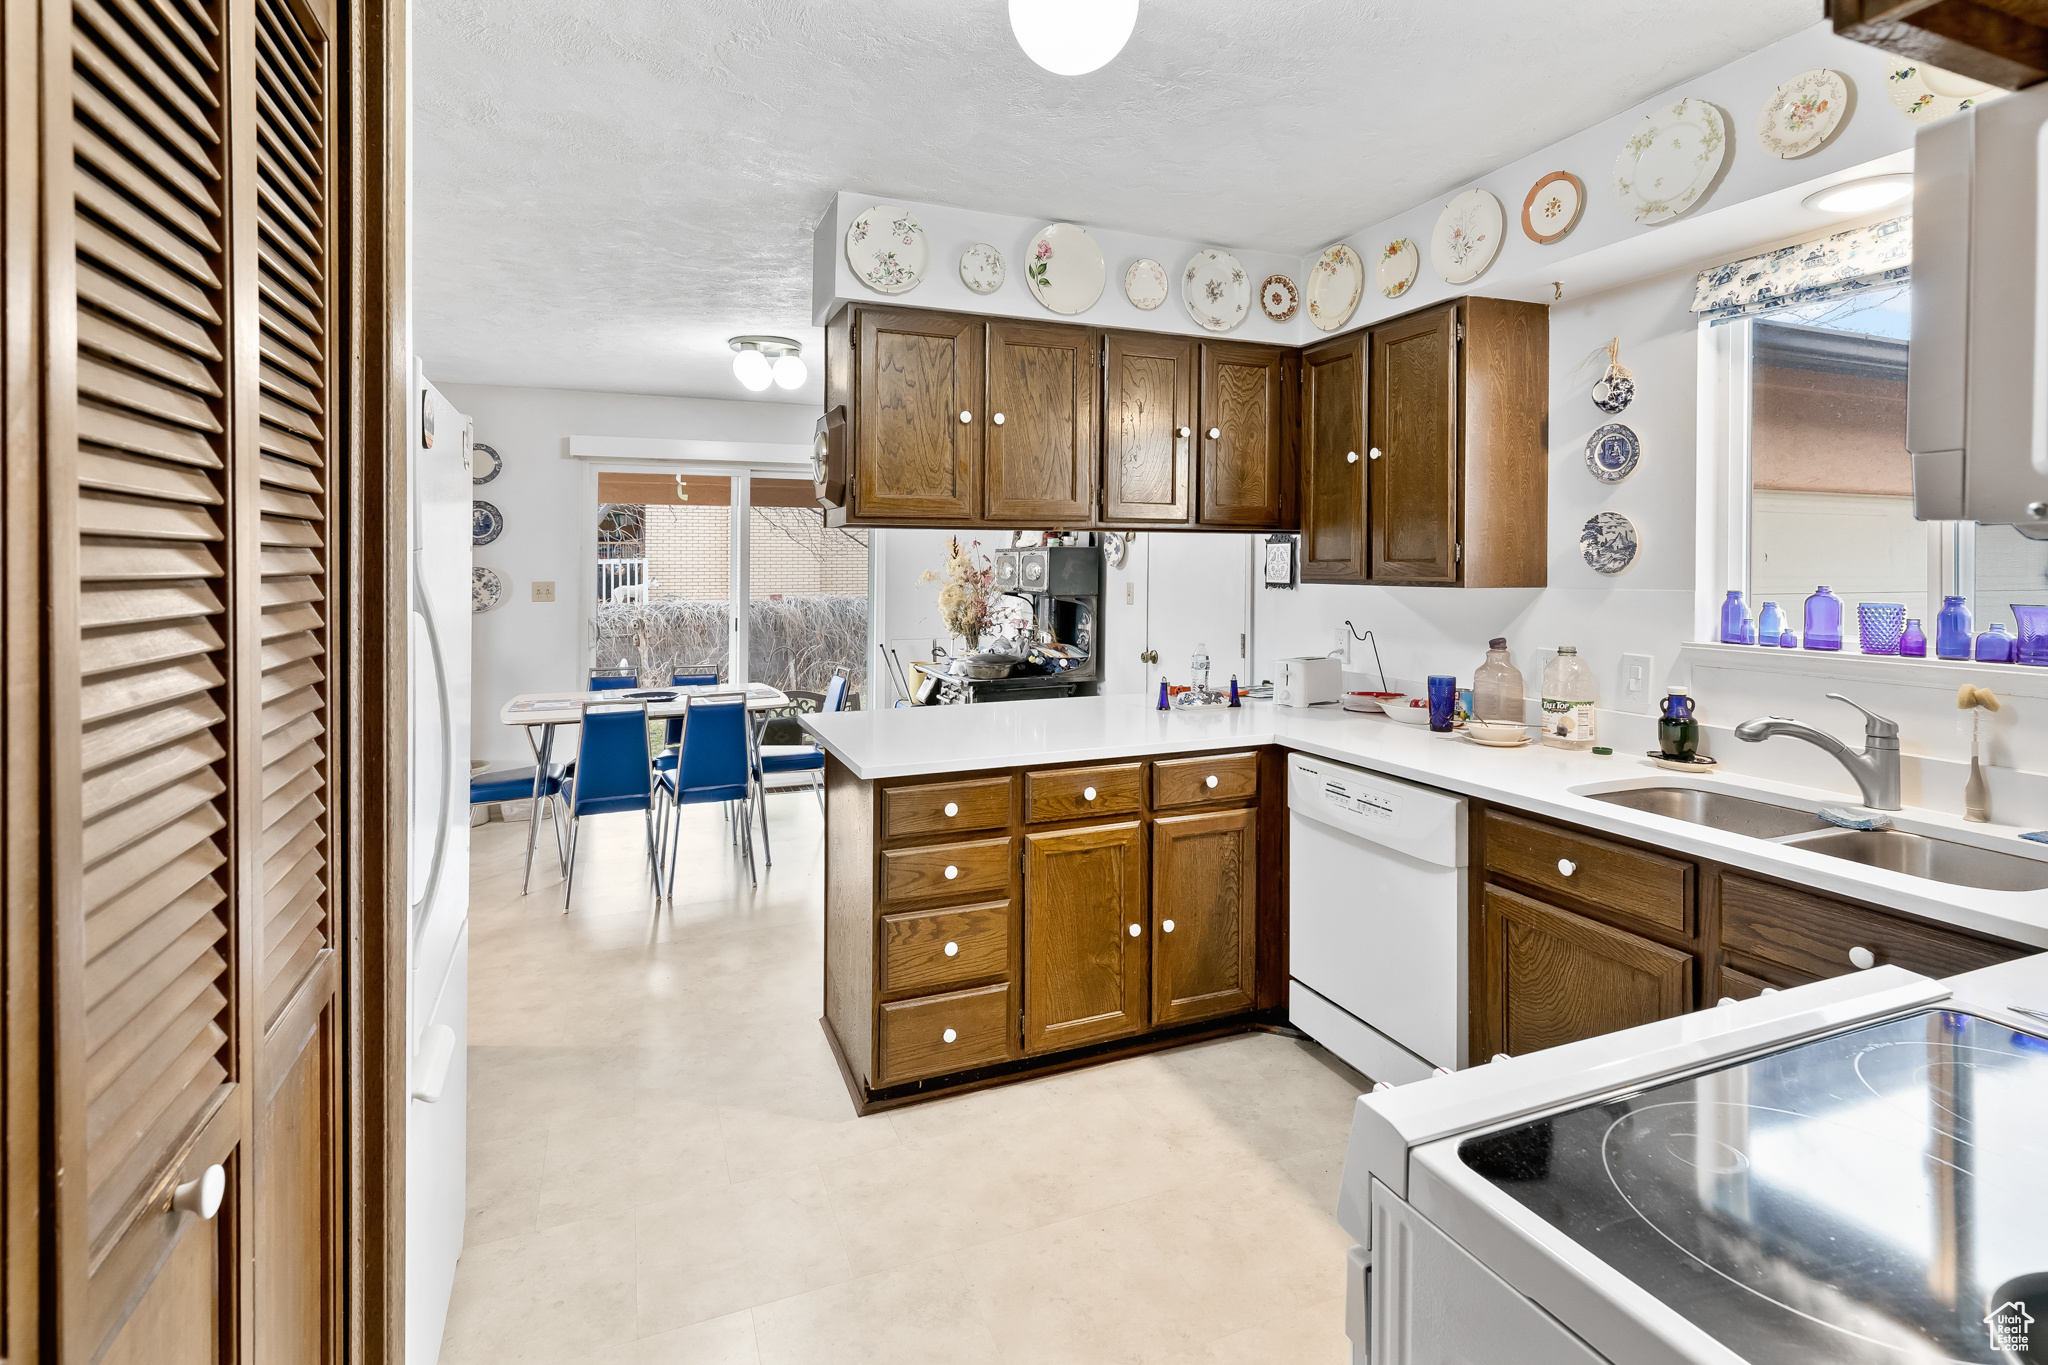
437, 1004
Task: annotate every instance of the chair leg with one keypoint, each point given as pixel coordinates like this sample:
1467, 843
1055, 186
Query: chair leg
653, 852
818, 787
569, 873
767, 853
746, 822
559, 818
675, 841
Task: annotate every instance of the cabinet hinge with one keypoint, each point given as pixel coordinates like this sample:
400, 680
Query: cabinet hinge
1461, 331
1458, 556
1020, 1026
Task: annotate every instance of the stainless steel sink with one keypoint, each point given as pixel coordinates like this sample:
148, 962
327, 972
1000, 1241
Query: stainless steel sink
1717, 810
1937, 860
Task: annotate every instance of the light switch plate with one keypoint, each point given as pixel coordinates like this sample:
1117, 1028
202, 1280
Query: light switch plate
543, 592
1635, 681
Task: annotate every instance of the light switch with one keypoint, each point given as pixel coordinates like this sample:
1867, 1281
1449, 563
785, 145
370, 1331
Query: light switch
1130, 594
1635, 681
543, 592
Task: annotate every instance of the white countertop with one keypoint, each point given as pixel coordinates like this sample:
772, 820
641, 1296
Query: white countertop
1544, 781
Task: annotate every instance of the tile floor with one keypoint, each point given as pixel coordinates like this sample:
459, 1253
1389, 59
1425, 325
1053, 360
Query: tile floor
664, 1166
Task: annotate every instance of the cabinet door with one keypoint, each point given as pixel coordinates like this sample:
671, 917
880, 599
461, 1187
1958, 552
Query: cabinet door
1547, 976
1333, 461
1040, 460
1148, 428
1245, 474
918, 416
1412, 474
1817, 937
1085, 941
1205, 880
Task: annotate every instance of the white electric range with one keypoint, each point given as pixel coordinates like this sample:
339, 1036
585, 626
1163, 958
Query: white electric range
1850, 1171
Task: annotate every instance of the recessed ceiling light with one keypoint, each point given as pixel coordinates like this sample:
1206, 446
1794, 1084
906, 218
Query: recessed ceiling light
1860, 196
759, 361
1072, 37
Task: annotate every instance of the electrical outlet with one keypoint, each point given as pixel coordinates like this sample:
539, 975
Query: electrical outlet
1635, 681
543, 592
1343, 650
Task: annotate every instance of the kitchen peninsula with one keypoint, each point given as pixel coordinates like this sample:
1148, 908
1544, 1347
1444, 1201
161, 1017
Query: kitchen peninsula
1000, 883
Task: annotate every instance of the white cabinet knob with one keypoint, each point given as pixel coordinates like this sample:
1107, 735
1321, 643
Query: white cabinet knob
1373, 454
952, 950
966, 416
1565, 867
1135, 931
1351, 457
949, 1035
997, 419
1209, 781
1168, 926
1862, 959
1180, 431
1087, 793
952, 809
951, 872
1215, 432
202, 1196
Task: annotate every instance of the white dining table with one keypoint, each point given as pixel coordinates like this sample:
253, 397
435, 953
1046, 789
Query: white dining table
549, 710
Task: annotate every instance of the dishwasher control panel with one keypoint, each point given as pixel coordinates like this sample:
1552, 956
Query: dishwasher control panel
1419, 821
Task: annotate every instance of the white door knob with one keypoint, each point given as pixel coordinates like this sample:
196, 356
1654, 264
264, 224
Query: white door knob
1373, 454
1135, 931
952, 809
1565, 867
1168, 926
1862, 959
1209, 781
1351, 457
202, 1196
949, 1035
1215, 432
1180, 431
1087, 793
951, 872
966, 416
952, 950
997, 419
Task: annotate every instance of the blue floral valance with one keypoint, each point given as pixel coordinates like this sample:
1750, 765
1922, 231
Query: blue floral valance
1861, 258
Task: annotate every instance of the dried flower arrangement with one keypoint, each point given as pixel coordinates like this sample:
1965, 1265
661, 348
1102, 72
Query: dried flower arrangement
969, 591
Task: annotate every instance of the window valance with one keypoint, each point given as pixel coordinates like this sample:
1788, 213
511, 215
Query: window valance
1861, 258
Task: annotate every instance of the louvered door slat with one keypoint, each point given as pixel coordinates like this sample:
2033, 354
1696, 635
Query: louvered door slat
301, 851
136, 952
275, 352
132, 266
285, 589
288, 474
148, 396
164, 801
179, 160
121, 1049
284, 651
289, 764
143, 310
102, 202
279, 381
289, 620
117, 471
171, 78
103, 335
106, 604
142, 773
140, 186
287, 531
168, 959
139, 561
286, 503
101, 745
289, 679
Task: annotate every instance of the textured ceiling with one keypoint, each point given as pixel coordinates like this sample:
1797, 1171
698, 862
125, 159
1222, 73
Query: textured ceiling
603, 192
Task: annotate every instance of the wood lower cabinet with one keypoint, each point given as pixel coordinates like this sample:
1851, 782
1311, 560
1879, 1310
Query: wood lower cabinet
1148, 428
1550, 976
1086, 946
1333, 461
1039, 445
1246, 475
917, 427
1787, 936
1204, 915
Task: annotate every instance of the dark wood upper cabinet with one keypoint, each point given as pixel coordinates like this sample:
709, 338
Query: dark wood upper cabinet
917, 417
1085, 939
1412, 456
1333, 462
1205, 915
1148, 428
1039, 461
1247, 478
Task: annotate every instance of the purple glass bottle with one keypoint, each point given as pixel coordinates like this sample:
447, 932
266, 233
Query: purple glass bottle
1952, 629
1994, 646
1913, 640
1733, 615
1823, 620
1770, 625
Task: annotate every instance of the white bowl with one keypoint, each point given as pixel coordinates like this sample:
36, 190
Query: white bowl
1408, 715
1496, 731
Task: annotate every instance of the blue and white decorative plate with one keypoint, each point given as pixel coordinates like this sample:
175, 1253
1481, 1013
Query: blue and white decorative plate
486, 589
486, 523
1610, 542
1612, 452
485, 464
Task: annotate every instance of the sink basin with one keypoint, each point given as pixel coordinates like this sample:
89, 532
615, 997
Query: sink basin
1937, 860
1717, 810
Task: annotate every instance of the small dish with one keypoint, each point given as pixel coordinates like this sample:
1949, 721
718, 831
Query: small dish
486, 589
1278, 298
1063, 267
1928, 94
1371, 703
1399, 262
1216, 290
1522, 743
1467, 237
1553, 206
1802, 114
1612, 453
1497, 731
1698, 763
486, 522
887, 249
982, 268
1335, 283
485, 462
1145, 283
1410, 714
1667, 165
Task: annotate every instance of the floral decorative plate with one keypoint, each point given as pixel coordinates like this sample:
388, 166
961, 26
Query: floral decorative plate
1335, 285
1610, 542
1666, 165
1145, 283
1216, 290
1399, 264
1928, 94
486, 589
1612, 453
1467, 236
485, 463
1553, 207
486, 523
1278, 298
982, 268
1064, 268
1802, 114
886, 248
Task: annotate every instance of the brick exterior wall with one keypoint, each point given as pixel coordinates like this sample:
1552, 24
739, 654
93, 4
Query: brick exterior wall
793, 554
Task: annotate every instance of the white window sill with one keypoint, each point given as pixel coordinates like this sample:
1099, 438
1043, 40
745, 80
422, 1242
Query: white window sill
2013, 680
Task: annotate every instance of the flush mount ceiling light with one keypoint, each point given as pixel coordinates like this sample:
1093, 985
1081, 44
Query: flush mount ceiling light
760, 361
1860, 196
1072, 37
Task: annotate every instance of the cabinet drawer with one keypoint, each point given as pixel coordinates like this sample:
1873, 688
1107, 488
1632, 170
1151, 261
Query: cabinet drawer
1204, 781
1641, 888
1819, 937
935, 1034
924, 950
957, 872
1074, 793
945, 807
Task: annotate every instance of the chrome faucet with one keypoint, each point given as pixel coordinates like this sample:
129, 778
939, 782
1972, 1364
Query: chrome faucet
1876, 769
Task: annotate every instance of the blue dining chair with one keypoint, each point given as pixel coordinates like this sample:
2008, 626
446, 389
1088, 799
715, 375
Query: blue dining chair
797, 758
603, 683
711, 765
516, 784
673, 734
612, 776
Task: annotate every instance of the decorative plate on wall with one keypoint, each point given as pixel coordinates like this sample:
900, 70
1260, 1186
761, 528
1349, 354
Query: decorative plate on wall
486, 589
1668, 162
1216, 290
1928, 94
485, 463
1467, 236
486, 523
1334, 287
1553, 207
1278, 298
1145, 283
1612, 453
1399, 264
886, 248
1064, 268
1610, 542
982, 268
1802, 114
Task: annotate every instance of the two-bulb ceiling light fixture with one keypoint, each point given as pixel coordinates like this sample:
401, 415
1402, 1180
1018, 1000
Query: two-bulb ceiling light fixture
1072, 37
759, 361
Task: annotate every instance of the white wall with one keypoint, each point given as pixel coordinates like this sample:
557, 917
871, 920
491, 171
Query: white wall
528, 646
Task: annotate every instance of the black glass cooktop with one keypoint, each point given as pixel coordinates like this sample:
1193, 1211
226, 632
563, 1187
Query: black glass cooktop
1880, 1195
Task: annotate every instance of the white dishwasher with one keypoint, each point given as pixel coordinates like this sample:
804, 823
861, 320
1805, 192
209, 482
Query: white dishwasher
1376, 919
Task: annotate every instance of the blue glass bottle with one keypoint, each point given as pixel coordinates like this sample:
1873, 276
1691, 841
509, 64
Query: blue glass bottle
1823, 620
1913, 640
1952, 629
1994, 646
1770, 625
1733, 615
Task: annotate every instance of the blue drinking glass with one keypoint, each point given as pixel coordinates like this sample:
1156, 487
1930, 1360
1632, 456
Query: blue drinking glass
1443, 700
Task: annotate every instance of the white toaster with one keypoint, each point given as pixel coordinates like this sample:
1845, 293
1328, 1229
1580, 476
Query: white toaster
1308, 680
